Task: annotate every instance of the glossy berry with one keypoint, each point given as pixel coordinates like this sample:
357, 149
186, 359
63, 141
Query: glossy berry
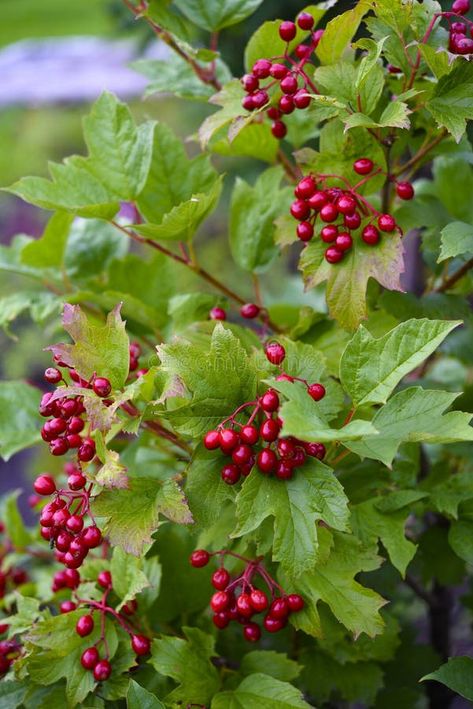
86, 452
250, 83
346, 204
260, 99
212, 440
279, 608
329, 233
67, 606
306, 188
230, 474
405, 190
333, 255
220, 579
58, 446
92, 537
295, 602
286, 104
284, 470
57, 426
270, 401
302, 99
273, 113
300, 210
287, 31
241, 454
250, 311
370, 235
344, 242
89, 658
218, 314
63, 541
329, 212
72, 578
458, 27
463, 45
75, 524
84, 625
305, 231
261, 68
104, 579
249, 435
269, 430
363, 166
244, 606
279, 129
258, 600
140, 644
102, 670
252, 632
76, 481
229, 439
316, 391
278, 71
318, 200
220, 601
305, 21
273, 625
275, 353
461, 7
266, 461
386, 223
289, 85
102, 387
352, 221
247, 103
315, 450
52, 375
221, 620
75, 425
44, 485
199, 558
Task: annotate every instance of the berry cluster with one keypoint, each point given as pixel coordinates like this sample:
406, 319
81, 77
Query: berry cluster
239, 600
459, 42
257, 441
249, 311
342, 210
289, 86
62, 519
90, 658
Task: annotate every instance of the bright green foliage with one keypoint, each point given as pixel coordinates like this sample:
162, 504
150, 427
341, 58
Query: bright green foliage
139, 698
18, 417
260, 690
456, 674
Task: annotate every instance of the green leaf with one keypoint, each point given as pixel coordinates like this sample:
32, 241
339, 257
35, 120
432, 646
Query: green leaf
274, 664
457, 674
198, 369
13, 521
460, 538
91, 246
260, 691
450, 104
252, 218
181, 223
41, 306
205, 489
132, 514
332, 581
447, 496
139, 698
371, 368
116, 169
128, 575
12, 693
414, 414
370, 524
339, 33
188, 663
457, 239
27, 613
97, 348
313, 494
214, 15
48, 251
229, 99
173, 178
347, 281
19, 420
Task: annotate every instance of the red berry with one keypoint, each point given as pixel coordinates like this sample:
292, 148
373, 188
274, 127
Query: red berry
273, 625
306, 187
261, 68
298, 458
84, 625
67, 606
78, 548
218, 314
370, 235
220, 601
286, 104
289, 85
89, 658
461, 7
301, 98
71, 561
329, 233
352, 221
295, 602
212, 440
249, 435
140, 644
76, 481
346, 204
270, 401
386, 223
52, 375
266, 461
260, 99
75, 425
250, 83
102, 387
58, 446
92, 537
248, 105
72, 578
104, 579
279, 129
57, 426
458, 27
287, 31
230, 474
44, 485
131, 607
284, 471
405, 190
244, 606
102, 670
329, 212
199, 558
75, 524
363, 166
63, 541
250, 311
252, 632
246, 468
278, 71
258, 600
220, 579
305, 21
333, 255
221, 620
269, 430
300, 210
279, 608
286, 447
274, 113
87, 451
275, 352
315, 450
241, 454
305, 231
74, 440
229, 439
344, 242
46, 533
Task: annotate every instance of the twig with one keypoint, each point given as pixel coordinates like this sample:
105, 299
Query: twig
421, 153
455, 277
419, 590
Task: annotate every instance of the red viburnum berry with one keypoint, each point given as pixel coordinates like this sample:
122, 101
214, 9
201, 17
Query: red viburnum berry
278, 71
212, 440
269, 430
258, 600
405, 190
270, 401
279, 608
333, 255
250, 83
250, 311
199, 558
220, 601
230, 474
316, 391
287, 31
370, 235
92, 537
217, 314
104, 579
306, 187
329, 233
386, 223
286, 104
252, 632
305, 231
241, 454
302, 99
244, 606
279, 129
295, 602
273, 625
363, 166
44, 485
266, 461
140, 644
344, 242
52, 375
305, 21
220, 579
249, 434
102, 670
89, 658
84, 625
221, 620
229, 439
261, 68
300, 210
67, 606
275, 352
461, 7
346, 204
102, 387
329, 213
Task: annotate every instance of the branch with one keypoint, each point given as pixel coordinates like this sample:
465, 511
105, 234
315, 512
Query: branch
421, 153
450, 282
419, 590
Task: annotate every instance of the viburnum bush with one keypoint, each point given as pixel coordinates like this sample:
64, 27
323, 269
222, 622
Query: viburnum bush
247, 495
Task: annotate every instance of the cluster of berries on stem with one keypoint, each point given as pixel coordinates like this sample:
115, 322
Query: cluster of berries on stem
340, 211
289, 86
238, 599
248, 311
460, 39
257, 441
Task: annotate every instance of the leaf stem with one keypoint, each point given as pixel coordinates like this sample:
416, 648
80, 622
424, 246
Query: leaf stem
455, 277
